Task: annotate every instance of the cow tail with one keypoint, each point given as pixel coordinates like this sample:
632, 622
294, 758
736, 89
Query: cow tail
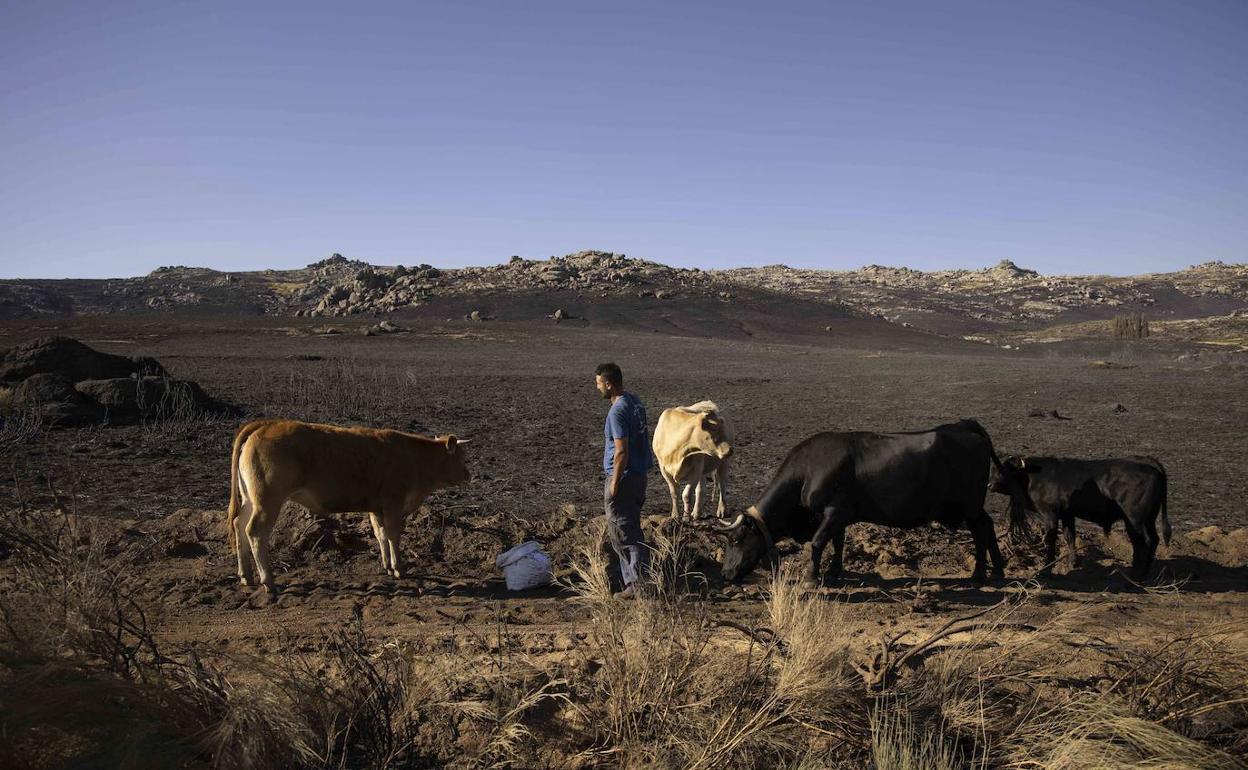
231, 517
1166, 530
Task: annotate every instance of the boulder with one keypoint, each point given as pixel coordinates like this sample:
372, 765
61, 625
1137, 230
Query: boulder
55, 399
127, 399
71, 358
44, 388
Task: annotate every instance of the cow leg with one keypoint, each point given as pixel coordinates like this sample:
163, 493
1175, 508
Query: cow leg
671, 487
990, 540
259, 528
1150, 535
392, 523
1143, 547
242, 546
1050, 551
379, 532
1072, 556
696, 469
684, 499
976, 525
1051, 525
721, 476
838, 553
831, 528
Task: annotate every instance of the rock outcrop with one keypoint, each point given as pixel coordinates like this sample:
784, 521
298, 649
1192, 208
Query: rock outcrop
66, 382
962, 302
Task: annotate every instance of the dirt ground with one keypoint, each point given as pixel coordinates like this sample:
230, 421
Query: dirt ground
524, 394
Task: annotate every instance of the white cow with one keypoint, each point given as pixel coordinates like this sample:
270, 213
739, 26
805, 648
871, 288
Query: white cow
691, 443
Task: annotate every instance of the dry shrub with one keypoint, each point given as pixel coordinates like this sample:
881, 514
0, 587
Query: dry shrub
74, 591
349, 703
660, 682
1132, 326
81, 676
84, 682
174, 413
1195, 685
1002, 695
19, 424
1099, 732
671, 687
341, 389
651, 658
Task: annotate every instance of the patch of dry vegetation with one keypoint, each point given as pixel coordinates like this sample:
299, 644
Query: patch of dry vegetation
19, 424
84, 682
337, 390
657, 682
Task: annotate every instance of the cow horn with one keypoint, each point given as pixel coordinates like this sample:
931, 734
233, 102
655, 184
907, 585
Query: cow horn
1022, 463
733, 525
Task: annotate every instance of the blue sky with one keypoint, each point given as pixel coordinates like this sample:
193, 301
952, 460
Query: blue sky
1105, 137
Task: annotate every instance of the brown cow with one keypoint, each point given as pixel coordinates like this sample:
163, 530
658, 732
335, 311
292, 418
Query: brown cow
691, 443
329, 469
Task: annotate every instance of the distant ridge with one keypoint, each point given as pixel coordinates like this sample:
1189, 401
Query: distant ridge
949, 302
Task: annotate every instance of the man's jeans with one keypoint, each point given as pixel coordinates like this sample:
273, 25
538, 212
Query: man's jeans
624, 525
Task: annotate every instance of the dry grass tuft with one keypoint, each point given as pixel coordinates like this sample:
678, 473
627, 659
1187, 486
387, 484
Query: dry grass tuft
85, 684
1100, 732
658, 682
19, 424
899, 743
673, 688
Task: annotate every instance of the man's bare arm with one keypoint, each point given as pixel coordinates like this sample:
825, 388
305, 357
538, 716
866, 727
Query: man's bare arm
621, 462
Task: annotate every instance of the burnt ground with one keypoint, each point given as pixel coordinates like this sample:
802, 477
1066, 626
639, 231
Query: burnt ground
523, 392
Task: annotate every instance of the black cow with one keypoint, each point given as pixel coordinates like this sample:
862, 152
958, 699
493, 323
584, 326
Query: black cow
832, 480
1130, 489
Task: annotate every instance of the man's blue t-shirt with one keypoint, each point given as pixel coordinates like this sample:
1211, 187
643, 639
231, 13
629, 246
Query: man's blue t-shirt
627, 419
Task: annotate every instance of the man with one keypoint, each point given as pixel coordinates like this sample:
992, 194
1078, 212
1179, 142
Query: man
626, 460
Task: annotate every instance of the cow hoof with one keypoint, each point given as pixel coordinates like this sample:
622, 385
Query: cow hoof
396, 574
979, 578
810, 583
244, 582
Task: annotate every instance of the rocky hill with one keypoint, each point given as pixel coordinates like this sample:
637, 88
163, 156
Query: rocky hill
949, 302
1008, 296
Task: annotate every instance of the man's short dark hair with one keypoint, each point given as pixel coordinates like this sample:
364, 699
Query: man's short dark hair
611, 373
